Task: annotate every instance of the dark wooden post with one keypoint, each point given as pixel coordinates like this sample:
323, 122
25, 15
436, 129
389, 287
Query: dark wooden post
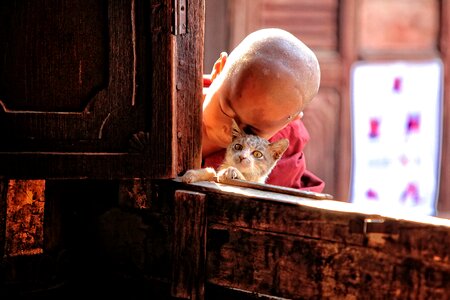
189, 245
3, 208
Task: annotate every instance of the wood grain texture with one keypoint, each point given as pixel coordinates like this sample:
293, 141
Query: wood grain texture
214, 241
301, 18
189, 86
296, 267
78, 82
321, 155
3, 209
62, 76
288, 247
189, 245
298, 252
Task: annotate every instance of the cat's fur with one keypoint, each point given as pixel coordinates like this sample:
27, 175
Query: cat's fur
243, 160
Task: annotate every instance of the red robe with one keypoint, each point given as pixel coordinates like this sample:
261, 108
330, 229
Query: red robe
290, 170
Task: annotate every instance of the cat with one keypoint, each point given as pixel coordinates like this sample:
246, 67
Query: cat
248, 157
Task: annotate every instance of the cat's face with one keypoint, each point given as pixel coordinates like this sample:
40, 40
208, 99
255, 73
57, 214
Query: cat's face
252, 155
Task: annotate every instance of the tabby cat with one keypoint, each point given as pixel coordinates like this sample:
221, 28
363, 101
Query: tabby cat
248, 157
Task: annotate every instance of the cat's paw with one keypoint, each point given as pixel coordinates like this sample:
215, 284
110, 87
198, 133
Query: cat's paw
195, 175
230, 173
190, 176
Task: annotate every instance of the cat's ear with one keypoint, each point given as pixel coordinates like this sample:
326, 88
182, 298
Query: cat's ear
277, 148
235, 130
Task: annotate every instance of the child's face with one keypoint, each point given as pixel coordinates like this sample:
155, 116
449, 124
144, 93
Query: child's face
257, 112
262, 109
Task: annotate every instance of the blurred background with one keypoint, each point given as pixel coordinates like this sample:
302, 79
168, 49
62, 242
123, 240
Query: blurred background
343, 33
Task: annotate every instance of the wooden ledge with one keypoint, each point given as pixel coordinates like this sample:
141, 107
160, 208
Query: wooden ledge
310, 199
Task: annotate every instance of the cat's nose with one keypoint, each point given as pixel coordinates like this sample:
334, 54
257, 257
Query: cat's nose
243, 155
244, 161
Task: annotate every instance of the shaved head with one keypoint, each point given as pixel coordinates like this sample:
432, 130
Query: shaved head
266, 82
272, 56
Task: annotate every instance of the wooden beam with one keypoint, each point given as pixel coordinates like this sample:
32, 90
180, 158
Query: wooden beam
189, 245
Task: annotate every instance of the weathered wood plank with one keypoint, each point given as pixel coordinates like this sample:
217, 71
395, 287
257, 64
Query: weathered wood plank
272, 245
3, 209
189, 245
25, 216
189, 84
295, 267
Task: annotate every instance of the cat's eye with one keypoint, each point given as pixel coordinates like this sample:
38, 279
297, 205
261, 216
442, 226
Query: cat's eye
238, 147
257, 154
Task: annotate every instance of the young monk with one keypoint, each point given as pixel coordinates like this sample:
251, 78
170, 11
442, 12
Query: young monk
264, 85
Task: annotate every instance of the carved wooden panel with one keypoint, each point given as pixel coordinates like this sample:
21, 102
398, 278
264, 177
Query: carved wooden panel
96, 89
318, 153
398, 29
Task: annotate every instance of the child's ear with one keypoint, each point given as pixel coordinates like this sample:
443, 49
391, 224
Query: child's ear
218, 65
235, 130
277, 148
